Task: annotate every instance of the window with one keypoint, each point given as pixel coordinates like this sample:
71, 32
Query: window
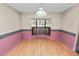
40, 26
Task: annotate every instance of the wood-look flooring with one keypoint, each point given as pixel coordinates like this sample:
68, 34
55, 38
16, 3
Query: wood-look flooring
41, 47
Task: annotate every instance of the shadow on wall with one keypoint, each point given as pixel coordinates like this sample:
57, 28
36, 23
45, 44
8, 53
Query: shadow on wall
77, 46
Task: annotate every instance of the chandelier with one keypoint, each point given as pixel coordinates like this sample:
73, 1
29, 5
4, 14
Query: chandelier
40, 13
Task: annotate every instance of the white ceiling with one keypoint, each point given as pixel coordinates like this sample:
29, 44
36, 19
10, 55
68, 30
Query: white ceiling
48, 7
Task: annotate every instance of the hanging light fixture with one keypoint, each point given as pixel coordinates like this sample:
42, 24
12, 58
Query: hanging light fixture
40, 13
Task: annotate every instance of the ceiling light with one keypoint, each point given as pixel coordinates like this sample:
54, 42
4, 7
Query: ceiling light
40, 13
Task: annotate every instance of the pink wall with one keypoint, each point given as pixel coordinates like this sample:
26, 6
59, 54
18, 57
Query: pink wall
68, 39
9, 42
55, 35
